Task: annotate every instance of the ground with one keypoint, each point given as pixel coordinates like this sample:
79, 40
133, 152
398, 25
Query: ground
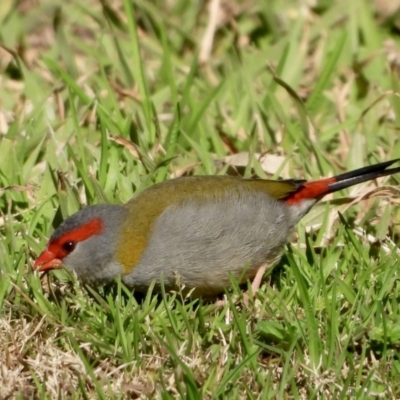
99, 100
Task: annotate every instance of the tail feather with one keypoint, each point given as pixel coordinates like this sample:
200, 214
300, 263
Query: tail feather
364, 174
318, 189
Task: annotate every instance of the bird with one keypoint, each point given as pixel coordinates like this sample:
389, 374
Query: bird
193, 232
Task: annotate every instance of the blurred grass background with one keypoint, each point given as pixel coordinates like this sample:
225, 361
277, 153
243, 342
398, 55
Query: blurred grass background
101, 99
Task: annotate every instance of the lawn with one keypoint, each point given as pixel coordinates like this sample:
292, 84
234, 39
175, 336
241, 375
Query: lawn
101, 99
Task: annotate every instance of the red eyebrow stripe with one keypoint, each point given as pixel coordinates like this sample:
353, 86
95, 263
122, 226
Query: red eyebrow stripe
91, 228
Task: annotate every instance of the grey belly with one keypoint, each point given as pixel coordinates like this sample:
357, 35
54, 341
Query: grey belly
203, 245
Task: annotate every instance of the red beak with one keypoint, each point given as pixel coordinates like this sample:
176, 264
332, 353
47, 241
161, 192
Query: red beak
47, 261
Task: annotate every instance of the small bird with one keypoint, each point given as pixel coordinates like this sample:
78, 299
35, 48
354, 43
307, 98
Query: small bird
195, 232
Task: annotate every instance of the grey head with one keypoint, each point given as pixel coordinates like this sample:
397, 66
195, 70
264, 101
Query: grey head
86, 243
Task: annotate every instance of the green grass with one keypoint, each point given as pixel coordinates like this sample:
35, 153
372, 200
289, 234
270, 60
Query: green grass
100, 100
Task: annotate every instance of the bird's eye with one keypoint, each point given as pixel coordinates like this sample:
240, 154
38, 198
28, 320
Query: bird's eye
69, 246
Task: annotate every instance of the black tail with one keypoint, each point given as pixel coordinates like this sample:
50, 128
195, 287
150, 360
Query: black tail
363, 174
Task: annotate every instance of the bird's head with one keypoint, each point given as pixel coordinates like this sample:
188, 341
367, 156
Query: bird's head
85, 243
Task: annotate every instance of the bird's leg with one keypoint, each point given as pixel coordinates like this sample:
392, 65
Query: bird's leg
255, 285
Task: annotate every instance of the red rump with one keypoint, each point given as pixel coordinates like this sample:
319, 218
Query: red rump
310, 190
91, 228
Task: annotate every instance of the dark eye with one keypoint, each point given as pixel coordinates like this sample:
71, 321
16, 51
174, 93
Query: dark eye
69, 246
